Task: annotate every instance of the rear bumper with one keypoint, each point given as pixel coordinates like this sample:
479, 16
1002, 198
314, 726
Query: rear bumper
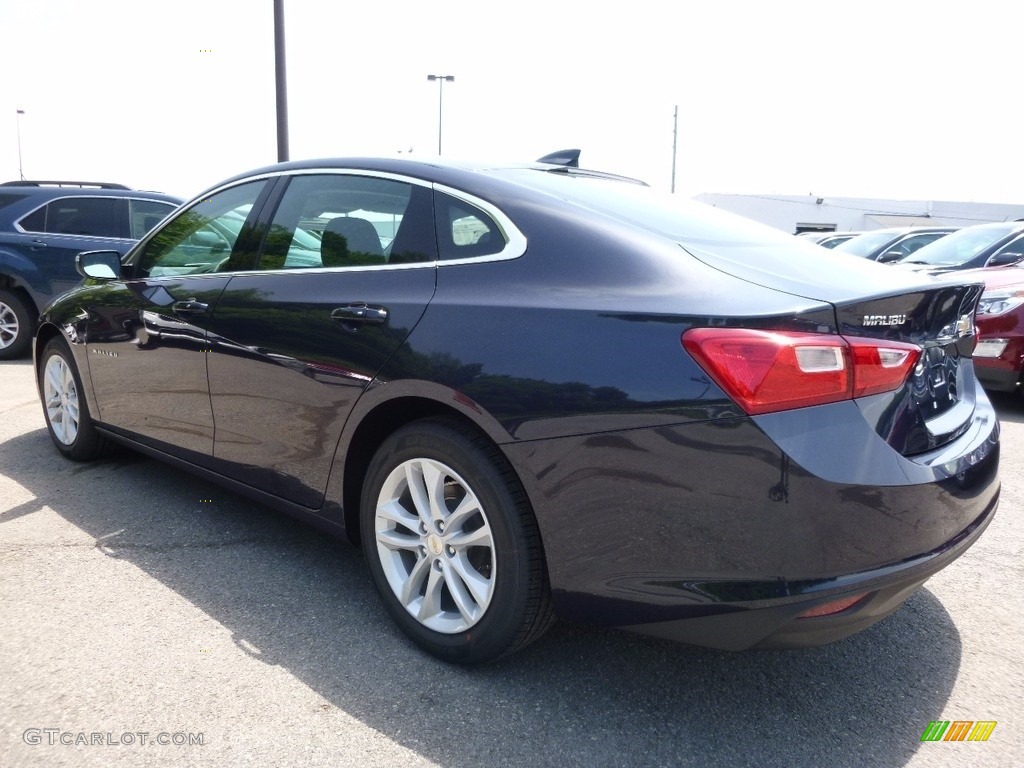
756, 625
1001, 374
997, 375
723, 532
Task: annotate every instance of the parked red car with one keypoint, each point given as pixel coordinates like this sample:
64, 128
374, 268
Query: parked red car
999, 356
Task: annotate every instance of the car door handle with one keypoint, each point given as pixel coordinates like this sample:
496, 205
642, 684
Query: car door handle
360, 312
37, 245
190, 307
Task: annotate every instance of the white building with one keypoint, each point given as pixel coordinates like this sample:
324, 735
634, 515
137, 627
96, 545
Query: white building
807, 213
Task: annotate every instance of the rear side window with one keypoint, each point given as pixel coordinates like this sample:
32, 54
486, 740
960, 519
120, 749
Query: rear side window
90, 216
143, 215
340, 220
464, 231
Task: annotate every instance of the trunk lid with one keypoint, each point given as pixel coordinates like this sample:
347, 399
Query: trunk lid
937, 402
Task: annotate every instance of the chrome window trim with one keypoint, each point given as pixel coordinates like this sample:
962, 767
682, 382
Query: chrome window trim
515, 241
292, 271
334, 270
18, 228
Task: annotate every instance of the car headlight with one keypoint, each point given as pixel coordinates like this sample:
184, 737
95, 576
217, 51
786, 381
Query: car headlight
999, 302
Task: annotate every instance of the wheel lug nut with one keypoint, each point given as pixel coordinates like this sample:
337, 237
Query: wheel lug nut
450, 550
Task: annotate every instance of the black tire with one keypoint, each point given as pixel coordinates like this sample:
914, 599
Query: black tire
78, 441
495, 549
17, 322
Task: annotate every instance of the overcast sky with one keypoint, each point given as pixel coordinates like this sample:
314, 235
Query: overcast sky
897, 99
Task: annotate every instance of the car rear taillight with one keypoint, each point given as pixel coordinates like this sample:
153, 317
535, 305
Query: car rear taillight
766, 371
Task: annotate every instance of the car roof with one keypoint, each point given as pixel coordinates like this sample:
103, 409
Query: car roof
935, 228
1010, 225
17, 201
52, 190
442, 170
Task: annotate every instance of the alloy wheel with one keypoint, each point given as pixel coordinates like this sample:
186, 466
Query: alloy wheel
435, 545
9, 326
60, 396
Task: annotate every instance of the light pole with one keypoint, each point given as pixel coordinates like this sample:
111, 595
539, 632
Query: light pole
280, 82
675, 137
21, 173
440, 102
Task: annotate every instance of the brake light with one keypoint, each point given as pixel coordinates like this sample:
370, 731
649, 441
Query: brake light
766, 371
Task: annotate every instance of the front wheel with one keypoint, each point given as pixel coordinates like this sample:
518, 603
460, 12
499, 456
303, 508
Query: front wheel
67, 414
452, 544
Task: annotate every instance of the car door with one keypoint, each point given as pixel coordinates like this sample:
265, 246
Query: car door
346, 270
147, 335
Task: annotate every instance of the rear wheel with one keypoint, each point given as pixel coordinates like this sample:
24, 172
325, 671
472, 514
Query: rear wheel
452, 545
67, 414
16, 320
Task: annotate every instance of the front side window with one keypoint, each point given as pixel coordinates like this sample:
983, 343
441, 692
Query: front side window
1016, 247
90, 216
143, 215
203, 238
915, 242
336, 220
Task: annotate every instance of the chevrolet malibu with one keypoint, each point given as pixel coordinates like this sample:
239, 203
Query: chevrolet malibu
535, 391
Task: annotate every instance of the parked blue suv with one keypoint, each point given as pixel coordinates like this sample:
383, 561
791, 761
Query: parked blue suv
43, 225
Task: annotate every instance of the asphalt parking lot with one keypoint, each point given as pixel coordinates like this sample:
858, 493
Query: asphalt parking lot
144, 611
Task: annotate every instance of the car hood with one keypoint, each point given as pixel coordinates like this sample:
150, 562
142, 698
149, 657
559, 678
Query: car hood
995, 277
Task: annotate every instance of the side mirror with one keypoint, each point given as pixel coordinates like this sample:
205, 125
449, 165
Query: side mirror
1004, 259
891, 256
101, 265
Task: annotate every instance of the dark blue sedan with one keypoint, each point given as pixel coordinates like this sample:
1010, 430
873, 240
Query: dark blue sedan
537, 390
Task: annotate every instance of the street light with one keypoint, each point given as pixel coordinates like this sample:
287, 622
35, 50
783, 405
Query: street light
280, 82
440, 102
21, 173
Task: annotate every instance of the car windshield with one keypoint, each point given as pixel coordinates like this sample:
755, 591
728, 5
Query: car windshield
862, 245
960, 247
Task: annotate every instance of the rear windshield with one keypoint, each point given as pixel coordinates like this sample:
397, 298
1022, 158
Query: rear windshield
679, 219
745, 248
